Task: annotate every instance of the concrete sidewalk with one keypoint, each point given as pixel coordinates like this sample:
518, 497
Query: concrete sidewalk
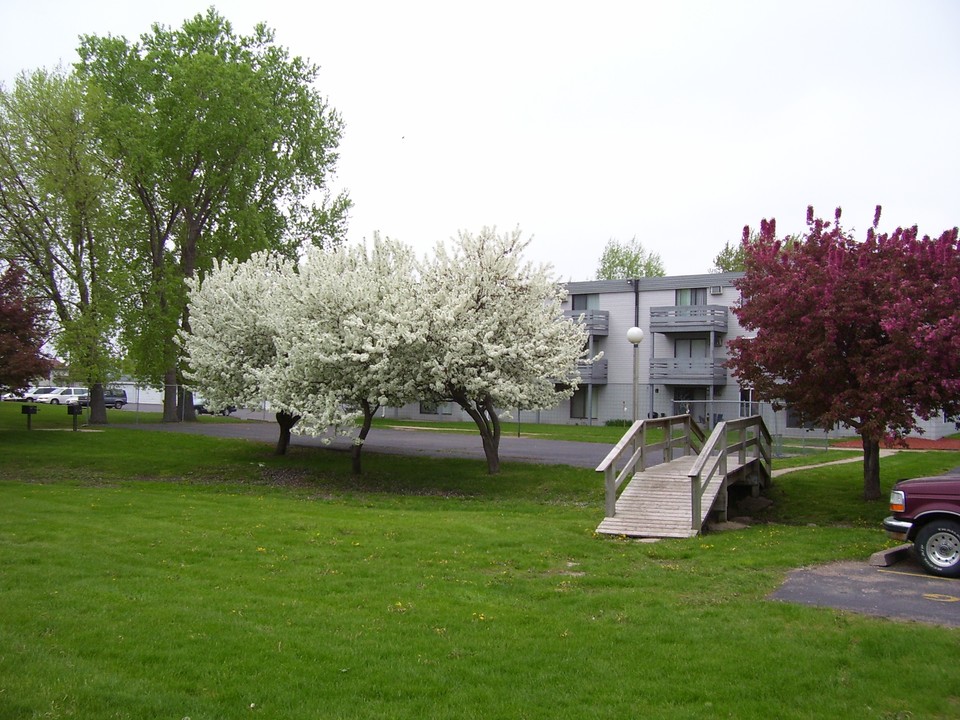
784, 471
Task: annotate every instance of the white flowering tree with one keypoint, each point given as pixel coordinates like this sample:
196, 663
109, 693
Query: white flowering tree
351, 337
231, 345
496, 334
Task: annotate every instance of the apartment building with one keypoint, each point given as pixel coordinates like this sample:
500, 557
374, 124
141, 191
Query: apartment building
687, 321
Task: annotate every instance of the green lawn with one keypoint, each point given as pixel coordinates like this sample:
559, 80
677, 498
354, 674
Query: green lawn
159, 575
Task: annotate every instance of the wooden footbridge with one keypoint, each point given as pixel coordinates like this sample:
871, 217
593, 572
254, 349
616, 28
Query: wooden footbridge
675, 475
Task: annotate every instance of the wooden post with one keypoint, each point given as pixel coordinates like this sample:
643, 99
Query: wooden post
695, 503
610, 478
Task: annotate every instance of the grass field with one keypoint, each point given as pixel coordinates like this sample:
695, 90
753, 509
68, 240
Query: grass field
159, 575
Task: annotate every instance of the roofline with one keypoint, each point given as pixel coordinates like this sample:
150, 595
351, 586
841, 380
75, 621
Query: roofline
669, 282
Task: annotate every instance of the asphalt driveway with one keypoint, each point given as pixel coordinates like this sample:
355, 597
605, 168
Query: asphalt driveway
902, 591
411, 442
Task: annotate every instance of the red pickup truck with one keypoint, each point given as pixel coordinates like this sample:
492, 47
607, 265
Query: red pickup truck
926, 512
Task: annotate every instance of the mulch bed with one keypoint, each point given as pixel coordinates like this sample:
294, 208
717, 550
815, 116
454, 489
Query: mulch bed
913, 443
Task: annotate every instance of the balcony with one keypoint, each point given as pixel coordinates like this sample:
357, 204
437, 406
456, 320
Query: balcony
597, 322
594, 373
673, 371
689, 318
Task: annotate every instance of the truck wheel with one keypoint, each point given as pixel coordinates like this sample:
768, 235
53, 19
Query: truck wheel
118, 405
938, 547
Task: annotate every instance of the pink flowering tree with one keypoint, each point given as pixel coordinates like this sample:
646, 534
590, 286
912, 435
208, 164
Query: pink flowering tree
864, 333
22, 332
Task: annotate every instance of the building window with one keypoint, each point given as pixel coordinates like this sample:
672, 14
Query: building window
692, 296
578, 405
589, 301
691, 348
432, 408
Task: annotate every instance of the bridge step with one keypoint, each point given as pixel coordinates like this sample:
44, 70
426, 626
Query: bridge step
656, 503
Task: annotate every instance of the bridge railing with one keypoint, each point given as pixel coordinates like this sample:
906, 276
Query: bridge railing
675, 436
747, 439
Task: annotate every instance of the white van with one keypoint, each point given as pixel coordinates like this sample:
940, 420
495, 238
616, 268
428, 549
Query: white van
61, 396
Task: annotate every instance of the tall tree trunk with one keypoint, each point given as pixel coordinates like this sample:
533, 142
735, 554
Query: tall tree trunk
286, 421
98, 411
871, 469
187, 411
368, 412
188, 266
170, 396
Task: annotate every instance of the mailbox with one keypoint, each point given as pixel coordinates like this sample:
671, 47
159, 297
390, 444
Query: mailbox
76, 411
29, 411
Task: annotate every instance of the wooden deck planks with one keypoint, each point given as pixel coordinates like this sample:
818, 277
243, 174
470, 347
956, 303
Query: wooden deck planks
656, 503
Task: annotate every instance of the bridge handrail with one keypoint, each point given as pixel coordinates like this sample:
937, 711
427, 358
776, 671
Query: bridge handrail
717, 449
634, 442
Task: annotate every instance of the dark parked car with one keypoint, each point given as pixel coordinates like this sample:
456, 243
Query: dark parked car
112, 397
926, 512
200, 408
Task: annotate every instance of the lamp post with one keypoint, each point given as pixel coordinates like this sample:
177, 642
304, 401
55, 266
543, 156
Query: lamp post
635, 336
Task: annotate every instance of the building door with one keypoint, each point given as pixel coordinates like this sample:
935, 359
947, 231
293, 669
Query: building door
581, 399
692, 401
695, 348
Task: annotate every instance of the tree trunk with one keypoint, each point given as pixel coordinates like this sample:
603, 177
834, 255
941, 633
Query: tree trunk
484, 414
491, 448
187, 411
286, 421
98, 411
368, 413
170, 396
871, 469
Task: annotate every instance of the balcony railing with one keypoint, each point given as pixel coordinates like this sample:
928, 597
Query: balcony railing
597, 322
689, 318
594, 373
673, 371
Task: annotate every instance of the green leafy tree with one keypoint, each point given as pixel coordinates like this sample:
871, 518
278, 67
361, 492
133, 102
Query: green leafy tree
58, 220
622, 261
221, 142
730, 259
733, 258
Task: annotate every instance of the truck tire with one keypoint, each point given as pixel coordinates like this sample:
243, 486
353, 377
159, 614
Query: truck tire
938, 547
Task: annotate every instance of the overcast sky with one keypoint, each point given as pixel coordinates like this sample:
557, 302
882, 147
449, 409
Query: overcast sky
675, 122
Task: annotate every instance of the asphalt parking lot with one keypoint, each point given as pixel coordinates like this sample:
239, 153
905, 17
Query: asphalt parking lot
901, 591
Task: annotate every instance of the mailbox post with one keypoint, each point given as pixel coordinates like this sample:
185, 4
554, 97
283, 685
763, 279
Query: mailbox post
29, 411
75, 411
